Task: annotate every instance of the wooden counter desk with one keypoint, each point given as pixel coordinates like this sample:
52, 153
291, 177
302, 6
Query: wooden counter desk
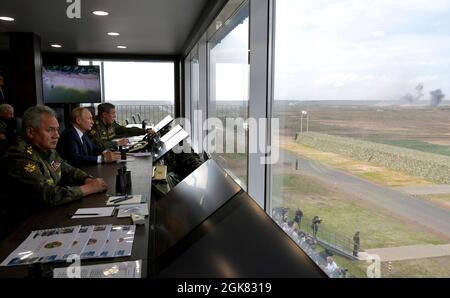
60, 216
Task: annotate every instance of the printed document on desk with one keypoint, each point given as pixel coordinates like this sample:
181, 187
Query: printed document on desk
42, 246
140, 154
80, 242
96, 242
102, 241
130, 269
93, 212
120, 242
127, 210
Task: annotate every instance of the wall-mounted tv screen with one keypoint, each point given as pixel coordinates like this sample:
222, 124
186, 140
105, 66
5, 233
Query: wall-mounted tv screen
71, 84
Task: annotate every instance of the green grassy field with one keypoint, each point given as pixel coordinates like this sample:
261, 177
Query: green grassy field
431, 267
418, 127
346, 215
418, 145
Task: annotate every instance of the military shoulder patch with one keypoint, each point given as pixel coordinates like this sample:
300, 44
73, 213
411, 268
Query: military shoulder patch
29, 168
29, 150
55, 164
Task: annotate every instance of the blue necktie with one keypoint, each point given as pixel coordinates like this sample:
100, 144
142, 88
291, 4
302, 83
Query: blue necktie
85, 148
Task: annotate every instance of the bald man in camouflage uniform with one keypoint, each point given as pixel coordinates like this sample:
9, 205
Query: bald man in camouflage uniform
36, 176
105, 129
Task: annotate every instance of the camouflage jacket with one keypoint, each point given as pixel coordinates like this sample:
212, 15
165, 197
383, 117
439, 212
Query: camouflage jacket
180, 166
2, 138
41, 178
102, 135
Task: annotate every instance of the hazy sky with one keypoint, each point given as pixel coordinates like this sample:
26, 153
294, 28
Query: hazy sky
324, 50
139, 81
361, 49
230, 58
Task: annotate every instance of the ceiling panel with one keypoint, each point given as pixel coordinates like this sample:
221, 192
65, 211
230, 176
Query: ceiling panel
158, 27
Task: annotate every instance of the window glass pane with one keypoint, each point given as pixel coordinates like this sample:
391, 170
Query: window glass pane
360, 91
141, 91
228, 93
83, 62
195, 100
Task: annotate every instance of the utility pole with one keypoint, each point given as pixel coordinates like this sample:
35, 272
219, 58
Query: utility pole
304, 114
301, 123
307, 122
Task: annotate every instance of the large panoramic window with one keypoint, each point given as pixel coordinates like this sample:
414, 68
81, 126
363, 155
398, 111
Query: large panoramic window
360, 88
142, 91
228, 93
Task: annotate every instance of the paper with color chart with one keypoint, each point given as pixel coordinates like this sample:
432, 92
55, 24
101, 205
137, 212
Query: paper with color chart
118, 244
96, 242
29, 251
125, 242
110, 246
58, 244
84, 234
55, 243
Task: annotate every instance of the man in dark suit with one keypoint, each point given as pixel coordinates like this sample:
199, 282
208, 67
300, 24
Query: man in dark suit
75, 147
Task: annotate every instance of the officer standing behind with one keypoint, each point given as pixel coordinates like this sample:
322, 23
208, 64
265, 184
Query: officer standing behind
298, 217
7, 127
105, 128
36, 176
315, 225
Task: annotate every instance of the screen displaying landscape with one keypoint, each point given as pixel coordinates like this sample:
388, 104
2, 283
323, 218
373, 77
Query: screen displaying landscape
71, 84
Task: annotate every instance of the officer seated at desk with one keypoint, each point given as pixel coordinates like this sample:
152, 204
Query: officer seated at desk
105, 128
35, 176
76, 148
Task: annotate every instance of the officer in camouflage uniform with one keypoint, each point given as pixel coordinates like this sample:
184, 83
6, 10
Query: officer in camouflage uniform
6, 123
36, 176
105, 129
179, 166
2, 137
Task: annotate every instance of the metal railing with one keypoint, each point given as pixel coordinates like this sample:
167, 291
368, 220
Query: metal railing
309, 245
328, 238
149, 113
232, 111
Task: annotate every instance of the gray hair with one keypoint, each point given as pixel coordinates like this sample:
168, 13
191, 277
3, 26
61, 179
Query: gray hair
5, 107
32, 116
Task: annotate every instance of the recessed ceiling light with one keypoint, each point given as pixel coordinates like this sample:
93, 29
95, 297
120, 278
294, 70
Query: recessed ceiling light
7, 19
113, 34
100, 13
121, 47
56, 45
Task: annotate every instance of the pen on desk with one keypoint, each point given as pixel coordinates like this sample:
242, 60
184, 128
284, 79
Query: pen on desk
83, 214
120, 199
